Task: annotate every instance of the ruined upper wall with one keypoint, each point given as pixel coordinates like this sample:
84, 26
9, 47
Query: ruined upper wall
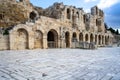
93, 21
96, 11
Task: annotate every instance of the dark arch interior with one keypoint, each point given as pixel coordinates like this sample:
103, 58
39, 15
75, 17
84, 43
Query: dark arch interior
99, 39
84, 18
33, 15
77, 14
68, 13
1, 16
81, 37
67, 39
50, 36
91, 38
86, 37
96, 39
74, 35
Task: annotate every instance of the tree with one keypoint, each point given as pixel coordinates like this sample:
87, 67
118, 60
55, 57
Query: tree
117, 32
112, 30
106, 26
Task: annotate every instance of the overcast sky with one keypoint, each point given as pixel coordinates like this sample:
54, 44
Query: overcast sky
111, 8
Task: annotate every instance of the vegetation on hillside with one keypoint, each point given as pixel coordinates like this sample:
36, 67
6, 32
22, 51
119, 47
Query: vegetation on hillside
113, 31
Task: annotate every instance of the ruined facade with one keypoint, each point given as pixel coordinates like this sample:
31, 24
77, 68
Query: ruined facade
58, 26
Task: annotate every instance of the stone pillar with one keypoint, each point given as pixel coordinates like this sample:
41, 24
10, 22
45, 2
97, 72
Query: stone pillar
101, 41
104, 41
71, 15
77, 36
31, 41
93, 38
11, 41
88, 38
83, 37
62, 43
59, 41
70, 40
45, 43
97, 41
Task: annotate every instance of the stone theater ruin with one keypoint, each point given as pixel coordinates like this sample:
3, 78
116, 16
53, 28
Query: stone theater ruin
58, 26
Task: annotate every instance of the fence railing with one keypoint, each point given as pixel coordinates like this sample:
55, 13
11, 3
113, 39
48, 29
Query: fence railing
85, 45
52, 44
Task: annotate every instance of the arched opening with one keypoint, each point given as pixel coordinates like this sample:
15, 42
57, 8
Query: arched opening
33, 15
68, 13
95, 39
81, 37
67, 39
73, 17
84, 18
52, 38
22, 39
99, 39
91, 37
77, 14
106, 40
38, 39
74, 37
86, 37
96, 10
1, 16
102, 39
96, 22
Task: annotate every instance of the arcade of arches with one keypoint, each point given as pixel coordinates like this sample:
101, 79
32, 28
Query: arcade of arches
51, 39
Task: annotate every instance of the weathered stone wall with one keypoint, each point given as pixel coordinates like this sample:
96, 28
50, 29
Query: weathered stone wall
61, 26
4, 42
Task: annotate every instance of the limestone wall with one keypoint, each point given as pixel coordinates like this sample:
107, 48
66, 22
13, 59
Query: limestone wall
4, 42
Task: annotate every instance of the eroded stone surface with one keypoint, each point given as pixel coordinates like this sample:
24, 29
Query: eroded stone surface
58, 26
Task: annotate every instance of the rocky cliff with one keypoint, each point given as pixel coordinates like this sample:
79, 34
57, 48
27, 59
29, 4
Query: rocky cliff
12, 14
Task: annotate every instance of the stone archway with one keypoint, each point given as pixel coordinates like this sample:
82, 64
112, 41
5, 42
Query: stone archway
32, 15
102, 39
38, 39
106, 40
91, 37
99, 37
86, 37
67, 39
52, 38
22, 39
68, 13
74, 37
81, 37
96, 39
